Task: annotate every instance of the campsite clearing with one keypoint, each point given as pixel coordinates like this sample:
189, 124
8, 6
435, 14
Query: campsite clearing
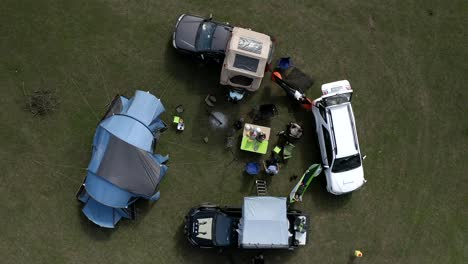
406, 61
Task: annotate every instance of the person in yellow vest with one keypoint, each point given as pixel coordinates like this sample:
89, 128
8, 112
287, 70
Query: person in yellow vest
357, 253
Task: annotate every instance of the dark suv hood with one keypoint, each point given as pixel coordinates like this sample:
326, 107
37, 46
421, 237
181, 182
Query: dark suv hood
221, 38
186, 32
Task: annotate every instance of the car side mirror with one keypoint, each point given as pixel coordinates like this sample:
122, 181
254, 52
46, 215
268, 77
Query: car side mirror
211, 17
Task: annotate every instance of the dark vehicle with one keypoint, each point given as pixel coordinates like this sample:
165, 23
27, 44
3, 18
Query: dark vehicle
244, 54
263, 222
209, 226
202, 38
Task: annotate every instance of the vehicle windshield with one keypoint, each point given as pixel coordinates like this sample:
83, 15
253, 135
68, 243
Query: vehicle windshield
337, 99
223, 229
205, 36
346, 163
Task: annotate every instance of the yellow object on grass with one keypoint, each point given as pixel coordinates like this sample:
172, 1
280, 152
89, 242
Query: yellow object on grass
277, 150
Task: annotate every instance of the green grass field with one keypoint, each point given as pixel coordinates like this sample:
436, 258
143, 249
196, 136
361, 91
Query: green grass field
406, 60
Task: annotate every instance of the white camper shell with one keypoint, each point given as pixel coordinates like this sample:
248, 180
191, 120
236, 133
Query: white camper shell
247, 55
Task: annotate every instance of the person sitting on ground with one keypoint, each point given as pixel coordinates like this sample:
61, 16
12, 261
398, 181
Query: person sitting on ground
261, 136
272, 166
181, 125
239, 123
254, 133
292, 133
295, 130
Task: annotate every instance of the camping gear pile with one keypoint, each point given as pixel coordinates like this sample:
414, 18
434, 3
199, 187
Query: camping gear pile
123, 166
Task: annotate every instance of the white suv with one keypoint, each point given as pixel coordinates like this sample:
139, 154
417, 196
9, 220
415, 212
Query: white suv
337, 137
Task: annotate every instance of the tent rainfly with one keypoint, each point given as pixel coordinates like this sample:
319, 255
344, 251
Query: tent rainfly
264, 223
123, 167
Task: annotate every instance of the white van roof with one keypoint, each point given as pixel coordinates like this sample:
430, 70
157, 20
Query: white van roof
343, 130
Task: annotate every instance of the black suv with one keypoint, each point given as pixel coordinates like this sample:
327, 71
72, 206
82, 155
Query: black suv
201, 37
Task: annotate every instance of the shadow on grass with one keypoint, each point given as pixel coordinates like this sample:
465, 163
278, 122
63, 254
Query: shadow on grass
248, 184
192, 254
92, 230
96, 232
142, 207
198, 77
351, 260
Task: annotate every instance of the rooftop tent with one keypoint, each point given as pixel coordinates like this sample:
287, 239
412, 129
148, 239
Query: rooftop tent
123, 167
264, 223
246, 57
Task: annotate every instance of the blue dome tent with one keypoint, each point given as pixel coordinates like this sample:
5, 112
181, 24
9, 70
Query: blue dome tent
123, 166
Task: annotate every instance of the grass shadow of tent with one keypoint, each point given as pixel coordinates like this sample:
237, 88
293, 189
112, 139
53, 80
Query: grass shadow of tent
95, 232
191, 254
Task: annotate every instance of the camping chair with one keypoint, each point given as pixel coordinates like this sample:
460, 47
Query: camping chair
265, 112
252, 168
292, 133
287, 151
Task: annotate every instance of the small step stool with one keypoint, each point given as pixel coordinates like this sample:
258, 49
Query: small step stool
261, 187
